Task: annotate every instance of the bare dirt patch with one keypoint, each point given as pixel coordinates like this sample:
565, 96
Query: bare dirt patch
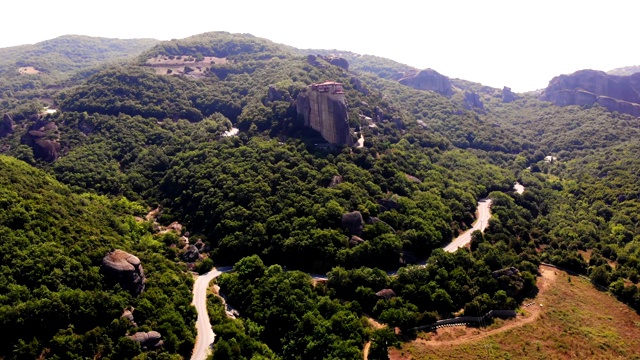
183, 65
28, 70
575, 321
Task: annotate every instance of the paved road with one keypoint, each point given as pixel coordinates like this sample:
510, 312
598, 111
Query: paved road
482, 220
205, 338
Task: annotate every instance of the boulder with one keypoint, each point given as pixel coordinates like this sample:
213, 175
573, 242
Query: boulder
126, 269
339, 62
386, 294
588, 87
313, 61
191, 254
43, 139
148, 340
388, 204
413, 178
6, 125
355, 241
335, 181
353, 222
507, 95
428, 79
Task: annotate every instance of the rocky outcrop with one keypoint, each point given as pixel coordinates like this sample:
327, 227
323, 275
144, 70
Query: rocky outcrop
324, 109
353, 222
126, 269
148, 340
386, 294
428, 79
336, 60
472, 101
335, 181
42, 137
355, 241
388, 204
128, 314
507, 95
589, 87
6, 125
191, 254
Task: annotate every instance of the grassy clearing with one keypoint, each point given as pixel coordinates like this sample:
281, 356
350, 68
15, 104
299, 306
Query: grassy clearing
576, 322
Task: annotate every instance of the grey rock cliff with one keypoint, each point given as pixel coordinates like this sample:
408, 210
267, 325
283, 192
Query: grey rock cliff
428, 79
126, 269
588, 87
324, 109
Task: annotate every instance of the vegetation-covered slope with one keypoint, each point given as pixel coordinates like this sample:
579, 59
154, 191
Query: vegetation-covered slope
55, 301
277, 190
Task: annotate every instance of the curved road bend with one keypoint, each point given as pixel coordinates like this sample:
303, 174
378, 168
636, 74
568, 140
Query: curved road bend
482, 220
205, 337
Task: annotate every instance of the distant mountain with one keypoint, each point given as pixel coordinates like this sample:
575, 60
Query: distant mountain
69, 53
625, 71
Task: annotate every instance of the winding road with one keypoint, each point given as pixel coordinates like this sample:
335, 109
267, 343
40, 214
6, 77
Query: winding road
206, 337
482, 221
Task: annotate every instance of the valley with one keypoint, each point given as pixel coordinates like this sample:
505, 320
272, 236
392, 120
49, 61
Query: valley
341, 188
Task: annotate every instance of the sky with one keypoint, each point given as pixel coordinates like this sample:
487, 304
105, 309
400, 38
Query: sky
518, 43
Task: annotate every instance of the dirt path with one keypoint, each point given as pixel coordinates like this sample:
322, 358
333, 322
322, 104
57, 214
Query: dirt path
461, 335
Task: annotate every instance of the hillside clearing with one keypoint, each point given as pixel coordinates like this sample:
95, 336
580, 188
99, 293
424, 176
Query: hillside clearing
576, 321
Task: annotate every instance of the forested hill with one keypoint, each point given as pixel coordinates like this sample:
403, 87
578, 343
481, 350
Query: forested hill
153, 132
70, 53
55, 300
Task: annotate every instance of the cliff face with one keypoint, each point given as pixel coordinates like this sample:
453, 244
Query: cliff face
587, 87
428, 79
324, 109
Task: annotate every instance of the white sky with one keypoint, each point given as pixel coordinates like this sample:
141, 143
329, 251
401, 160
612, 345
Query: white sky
517, 43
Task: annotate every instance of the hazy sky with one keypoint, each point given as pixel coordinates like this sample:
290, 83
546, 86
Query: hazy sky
521, 44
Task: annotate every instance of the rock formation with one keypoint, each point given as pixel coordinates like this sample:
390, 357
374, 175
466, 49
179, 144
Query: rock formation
191, 254
336, 60
335, 181
126, 269
507, 95
6, 125
388, 204
353, 222
357, 84
472, 100
324, 109
588, 87
428, 79
148, 340
386, 294
128, 314
43, 137
355, 241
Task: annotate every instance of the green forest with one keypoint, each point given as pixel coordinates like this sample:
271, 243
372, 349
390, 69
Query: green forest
126, 138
